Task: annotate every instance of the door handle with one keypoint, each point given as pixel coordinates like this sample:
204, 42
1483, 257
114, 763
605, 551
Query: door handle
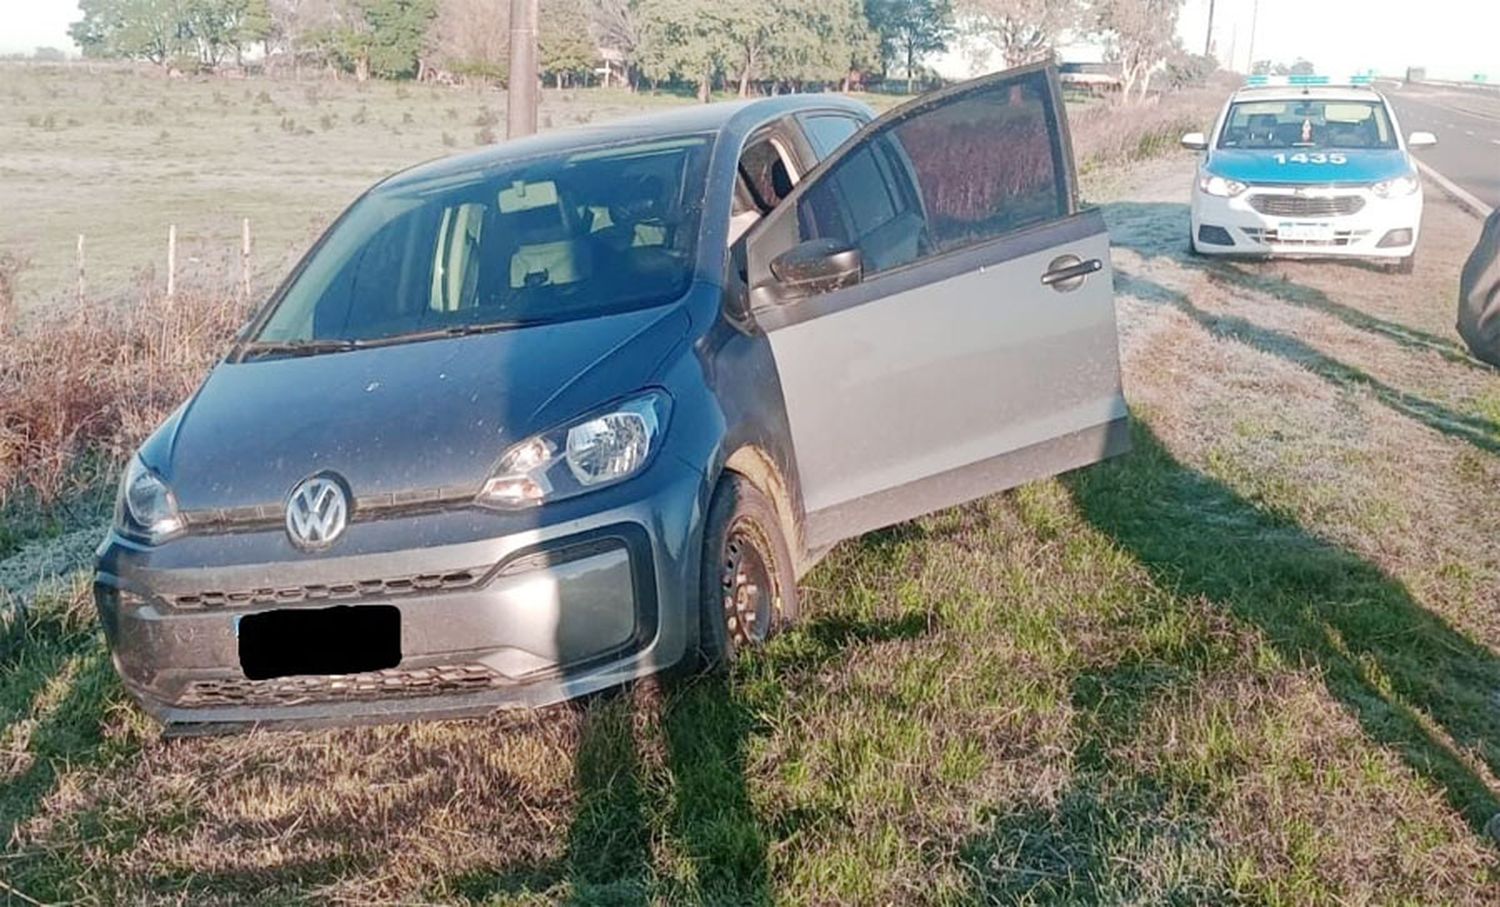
1067, 272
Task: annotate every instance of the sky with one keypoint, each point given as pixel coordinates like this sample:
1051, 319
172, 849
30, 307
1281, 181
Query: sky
1454, 39
28, 24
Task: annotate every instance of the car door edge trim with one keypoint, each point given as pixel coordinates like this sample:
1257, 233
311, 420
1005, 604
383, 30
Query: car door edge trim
1050, 457
1027, 241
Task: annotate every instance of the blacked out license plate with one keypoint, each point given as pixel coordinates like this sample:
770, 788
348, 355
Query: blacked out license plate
347, 639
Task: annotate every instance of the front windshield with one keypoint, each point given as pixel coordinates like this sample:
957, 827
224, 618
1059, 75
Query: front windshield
1307, 123
575, 235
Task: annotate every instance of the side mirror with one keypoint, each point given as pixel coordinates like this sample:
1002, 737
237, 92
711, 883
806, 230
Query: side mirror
809, 268
1194, 141
1421, 140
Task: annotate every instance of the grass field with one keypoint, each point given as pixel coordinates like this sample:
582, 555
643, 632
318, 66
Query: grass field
121, 154
1251, 662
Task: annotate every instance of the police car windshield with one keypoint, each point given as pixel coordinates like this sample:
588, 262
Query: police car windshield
1307, 123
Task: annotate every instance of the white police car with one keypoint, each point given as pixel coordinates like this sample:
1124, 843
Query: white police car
1307, 167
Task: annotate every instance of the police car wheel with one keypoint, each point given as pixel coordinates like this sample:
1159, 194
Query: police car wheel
1405, 265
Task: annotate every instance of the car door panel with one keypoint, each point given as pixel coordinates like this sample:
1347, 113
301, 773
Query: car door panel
854, 359
954, 370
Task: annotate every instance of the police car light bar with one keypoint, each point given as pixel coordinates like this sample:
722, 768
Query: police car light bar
1306, 81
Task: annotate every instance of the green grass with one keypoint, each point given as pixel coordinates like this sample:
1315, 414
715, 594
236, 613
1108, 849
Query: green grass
1104, 689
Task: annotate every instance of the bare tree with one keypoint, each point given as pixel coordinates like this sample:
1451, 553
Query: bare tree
1142, 34
293, 23
616, 27
471, 36
1023, 31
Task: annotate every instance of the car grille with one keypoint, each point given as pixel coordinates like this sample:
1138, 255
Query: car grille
1297, 206
393, 683
360, 589
1340, 238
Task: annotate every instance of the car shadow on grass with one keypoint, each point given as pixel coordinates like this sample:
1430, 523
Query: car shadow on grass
1128, 230
1112, 835
1417, 686
702, 811
68, 735
1476, 430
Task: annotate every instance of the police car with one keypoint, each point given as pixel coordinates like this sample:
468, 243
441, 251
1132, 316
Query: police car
1306, 166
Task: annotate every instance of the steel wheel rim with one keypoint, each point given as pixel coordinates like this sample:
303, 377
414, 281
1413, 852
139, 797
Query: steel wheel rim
748, 587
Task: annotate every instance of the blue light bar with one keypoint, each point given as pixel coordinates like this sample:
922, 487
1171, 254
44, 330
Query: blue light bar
1307, 81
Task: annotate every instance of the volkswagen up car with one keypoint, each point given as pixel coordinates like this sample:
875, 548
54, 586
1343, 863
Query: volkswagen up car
1302, 167
534, 421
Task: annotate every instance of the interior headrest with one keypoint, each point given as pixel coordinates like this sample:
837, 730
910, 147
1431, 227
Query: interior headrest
642, 198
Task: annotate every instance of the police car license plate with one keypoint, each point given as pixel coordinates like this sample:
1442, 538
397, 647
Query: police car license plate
1288, 231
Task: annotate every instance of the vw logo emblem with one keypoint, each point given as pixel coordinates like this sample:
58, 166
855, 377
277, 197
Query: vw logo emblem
317, 513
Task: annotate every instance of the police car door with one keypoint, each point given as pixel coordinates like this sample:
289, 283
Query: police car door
939, 309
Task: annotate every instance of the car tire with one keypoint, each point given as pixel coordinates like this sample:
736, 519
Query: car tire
748, 590
1405, 265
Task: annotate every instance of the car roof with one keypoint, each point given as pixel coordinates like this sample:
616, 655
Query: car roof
1308, 92
729, 119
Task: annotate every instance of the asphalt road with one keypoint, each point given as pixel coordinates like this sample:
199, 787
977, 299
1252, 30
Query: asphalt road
1467, 124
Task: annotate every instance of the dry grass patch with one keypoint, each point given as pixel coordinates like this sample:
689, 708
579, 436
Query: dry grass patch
96, 379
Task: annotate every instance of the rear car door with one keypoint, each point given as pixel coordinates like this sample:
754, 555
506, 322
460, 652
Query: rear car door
974, 346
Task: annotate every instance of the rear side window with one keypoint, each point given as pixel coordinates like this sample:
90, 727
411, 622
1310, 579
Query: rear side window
826, 132
957, 174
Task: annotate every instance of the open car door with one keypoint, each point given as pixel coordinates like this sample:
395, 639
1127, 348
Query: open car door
940, 311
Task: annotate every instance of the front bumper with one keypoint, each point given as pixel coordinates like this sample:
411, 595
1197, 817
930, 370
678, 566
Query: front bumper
1380, 228
496, 610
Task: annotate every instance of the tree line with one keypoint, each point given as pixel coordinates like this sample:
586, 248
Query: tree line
763, 45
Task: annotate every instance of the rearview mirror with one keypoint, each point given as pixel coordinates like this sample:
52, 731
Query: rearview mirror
1421, 140
809, 268
1194, 141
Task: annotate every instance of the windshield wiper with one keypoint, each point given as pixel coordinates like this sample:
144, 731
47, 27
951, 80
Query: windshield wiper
452, 330
256, 348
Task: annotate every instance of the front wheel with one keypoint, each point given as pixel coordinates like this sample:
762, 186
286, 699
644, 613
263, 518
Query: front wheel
748, 591
1405, 265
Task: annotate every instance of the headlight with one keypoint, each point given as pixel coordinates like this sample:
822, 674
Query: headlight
146, 507
1399, 187
1219, 186
601, 449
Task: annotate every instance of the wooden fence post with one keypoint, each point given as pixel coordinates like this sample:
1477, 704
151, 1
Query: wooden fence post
245, 258
171, 261
81, 287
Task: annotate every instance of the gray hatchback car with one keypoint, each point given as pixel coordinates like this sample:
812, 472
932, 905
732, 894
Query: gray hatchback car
534, 421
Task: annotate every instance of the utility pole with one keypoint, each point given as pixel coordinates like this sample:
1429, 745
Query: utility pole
521, 92
1254, 14
1208, 42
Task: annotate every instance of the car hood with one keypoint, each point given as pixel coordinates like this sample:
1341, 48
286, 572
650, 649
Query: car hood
416, 417
1263, 166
